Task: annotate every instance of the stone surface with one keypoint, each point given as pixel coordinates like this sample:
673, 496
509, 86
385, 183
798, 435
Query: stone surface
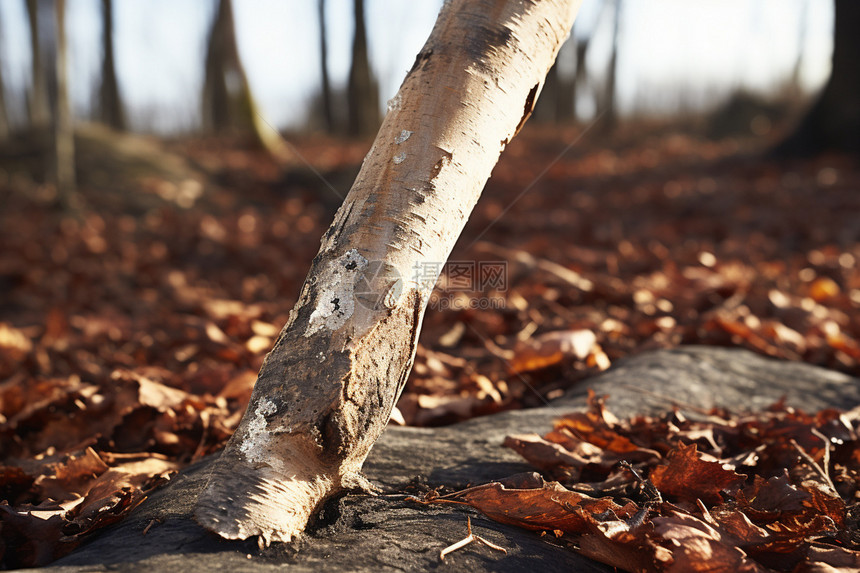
390, 533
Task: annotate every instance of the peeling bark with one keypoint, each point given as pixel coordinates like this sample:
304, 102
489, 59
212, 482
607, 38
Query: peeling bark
326, 390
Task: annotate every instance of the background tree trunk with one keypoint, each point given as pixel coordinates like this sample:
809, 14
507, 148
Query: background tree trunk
556, 103
110, 103
581, 77
610, 113
4, 117
326, 390
802, 33
327, 112
228, 103
833, 122
547, 107
565, 103
64, 137
362, 89
38, 95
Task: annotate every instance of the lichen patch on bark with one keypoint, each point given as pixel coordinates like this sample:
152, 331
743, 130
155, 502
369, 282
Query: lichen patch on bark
404, 135
256, 444
336, 286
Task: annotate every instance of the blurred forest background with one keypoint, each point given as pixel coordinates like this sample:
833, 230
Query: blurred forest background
689, 176
157, 215
303, 58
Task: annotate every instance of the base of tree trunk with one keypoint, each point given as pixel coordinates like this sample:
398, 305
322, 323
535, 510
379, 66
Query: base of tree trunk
822, 129
388, 532
833, 122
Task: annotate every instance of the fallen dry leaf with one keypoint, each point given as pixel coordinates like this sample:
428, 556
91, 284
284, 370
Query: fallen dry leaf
551, 348
680, 508
687, 477
528, 501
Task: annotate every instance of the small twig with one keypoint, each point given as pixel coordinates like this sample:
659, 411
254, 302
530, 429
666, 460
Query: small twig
825, 462
150, 524
649, 489
824, 474
469, 539
200, 450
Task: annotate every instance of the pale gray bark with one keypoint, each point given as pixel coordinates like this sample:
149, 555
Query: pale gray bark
325, 392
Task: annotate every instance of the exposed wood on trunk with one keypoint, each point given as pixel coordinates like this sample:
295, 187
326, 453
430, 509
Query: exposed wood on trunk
326, 390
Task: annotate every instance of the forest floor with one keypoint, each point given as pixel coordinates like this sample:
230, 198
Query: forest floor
131, 330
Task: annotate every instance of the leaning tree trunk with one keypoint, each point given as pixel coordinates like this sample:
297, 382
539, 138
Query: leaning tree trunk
326, 390
833, 122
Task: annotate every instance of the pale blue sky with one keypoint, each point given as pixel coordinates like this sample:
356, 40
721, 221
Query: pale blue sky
700, 47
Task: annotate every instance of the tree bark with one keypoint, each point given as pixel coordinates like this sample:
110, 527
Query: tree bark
327, 112
326, 390
833, 122
110, 102
362, 89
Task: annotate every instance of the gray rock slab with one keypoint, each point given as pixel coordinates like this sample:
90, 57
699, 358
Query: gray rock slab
391, 533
